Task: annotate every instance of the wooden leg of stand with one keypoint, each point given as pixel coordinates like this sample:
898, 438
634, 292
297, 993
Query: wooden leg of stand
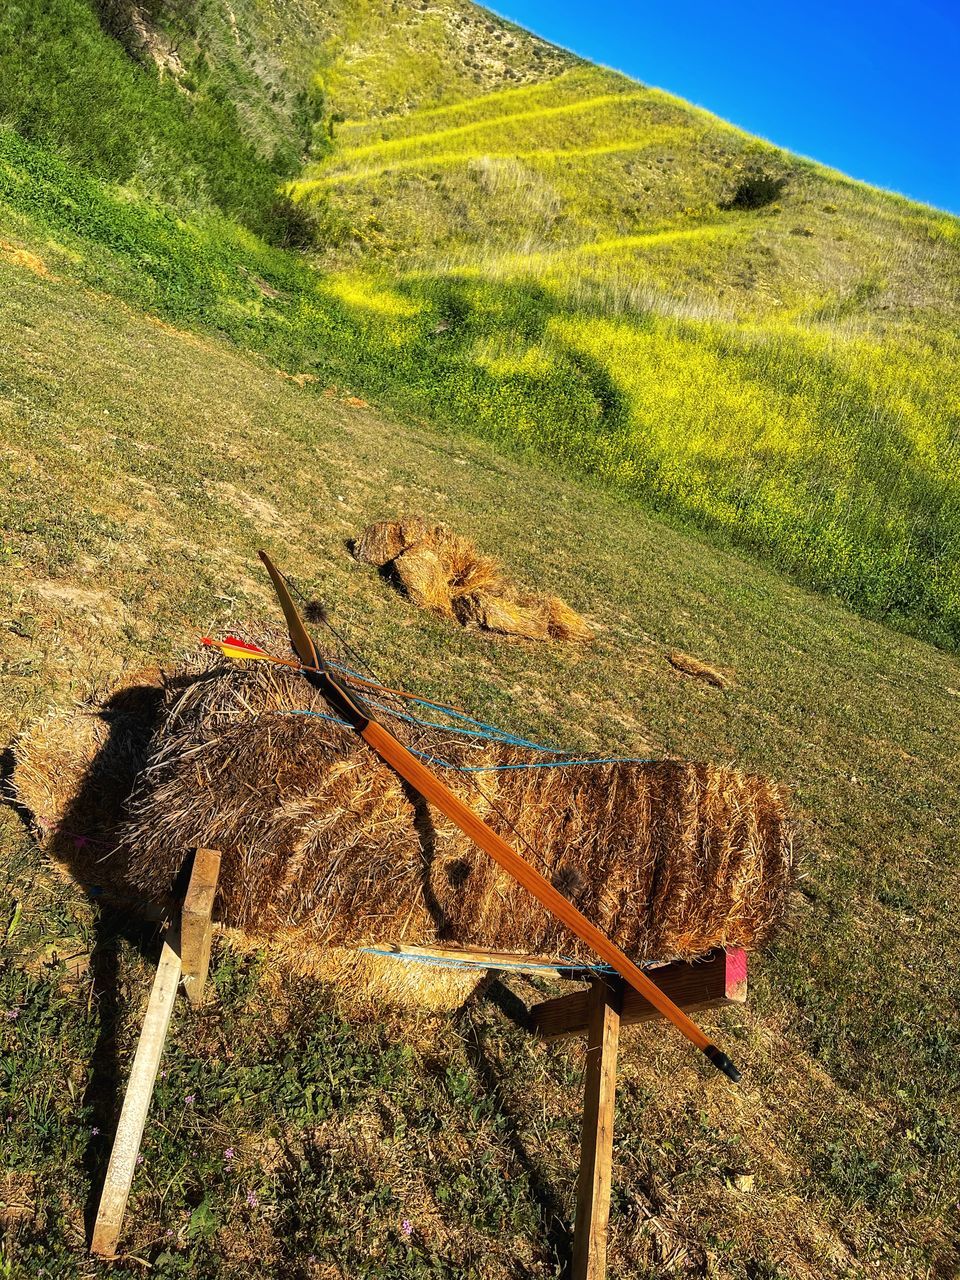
196, 923
143, 1075
596, 1151
186, 953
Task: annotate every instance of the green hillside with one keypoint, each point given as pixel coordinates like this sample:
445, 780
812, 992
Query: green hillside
500, 238
662, 369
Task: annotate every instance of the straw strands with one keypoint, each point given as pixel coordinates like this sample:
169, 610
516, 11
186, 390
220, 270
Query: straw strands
324, 846
442, 571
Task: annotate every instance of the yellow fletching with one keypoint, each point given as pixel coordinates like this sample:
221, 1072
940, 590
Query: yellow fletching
243, 655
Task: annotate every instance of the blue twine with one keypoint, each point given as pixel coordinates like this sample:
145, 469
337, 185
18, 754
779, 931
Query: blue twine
480, 768
490, 735
483, 730
451, 962
480, 732
531, 764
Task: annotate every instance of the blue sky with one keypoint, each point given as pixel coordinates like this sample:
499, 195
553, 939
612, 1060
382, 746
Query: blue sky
872, 89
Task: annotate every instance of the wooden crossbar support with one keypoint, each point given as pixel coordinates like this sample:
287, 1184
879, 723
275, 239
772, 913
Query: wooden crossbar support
186, 953
718, 979
600, 1011
196, 923
604, 1000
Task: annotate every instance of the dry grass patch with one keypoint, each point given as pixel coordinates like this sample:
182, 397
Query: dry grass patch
691, 666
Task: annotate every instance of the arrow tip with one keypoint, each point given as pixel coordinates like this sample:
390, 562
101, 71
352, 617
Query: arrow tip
722, 1062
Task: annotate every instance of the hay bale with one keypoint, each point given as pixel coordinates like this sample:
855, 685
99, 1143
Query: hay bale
497, 613
325, 846
326, 850
564, 623
74, 771
383, 541
475, 585
467, 569
424, 578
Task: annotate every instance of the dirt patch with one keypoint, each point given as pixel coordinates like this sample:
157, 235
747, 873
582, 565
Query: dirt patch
260, 510
99, 605
301, 379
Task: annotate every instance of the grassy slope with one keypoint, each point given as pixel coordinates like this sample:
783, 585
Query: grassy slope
784, 375
115, 425
550, 263
182, 457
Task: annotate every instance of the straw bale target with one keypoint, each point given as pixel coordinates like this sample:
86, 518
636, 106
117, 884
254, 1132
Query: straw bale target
325, 849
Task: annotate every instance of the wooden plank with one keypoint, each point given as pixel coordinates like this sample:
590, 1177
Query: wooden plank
719, 979
596, 1145
196, 923
143, 1075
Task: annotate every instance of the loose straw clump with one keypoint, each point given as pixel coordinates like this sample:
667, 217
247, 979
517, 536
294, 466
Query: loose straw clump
442, 571
324, 846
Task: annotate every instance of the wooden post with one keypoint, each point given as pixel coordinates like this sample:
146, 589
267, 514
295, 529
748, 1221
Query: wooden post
186, 953
126, 1144
196, 923
596, 1151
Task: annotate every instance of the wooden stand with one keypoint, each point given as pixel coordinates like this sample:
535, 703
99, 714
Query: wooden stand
596, 1141
599, 1012
186, 954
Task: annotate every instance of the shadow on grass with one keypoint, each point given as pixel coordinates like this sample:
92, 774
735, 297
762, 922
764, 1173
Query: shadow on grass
554, 1218
84, 844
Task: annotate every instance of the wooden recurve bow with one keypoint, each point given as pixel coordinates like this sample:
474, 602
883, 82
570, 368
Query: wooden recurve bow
355, 712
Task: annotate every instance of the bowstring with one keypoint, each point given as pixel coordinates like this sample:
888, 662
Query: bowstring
470, 778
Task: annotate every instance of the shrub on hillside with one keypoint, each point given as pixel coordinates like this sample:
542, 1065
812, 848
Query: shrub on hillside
756, 188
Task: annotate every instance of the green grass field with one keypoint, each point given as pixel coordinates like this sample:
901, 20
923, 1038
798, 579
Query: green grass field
583, 348
183, 457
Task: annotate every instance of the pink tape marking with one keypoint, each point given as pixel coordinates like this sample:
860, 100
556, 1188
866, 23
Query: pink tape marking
735, 978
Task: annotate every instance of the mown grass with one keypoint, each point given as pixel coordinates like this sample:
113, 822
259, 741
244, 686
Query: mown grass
143, 466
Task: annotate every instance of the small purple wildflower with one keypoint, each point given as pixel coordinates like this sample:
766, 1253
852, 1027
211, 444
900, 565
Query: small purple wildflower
228, 1154
252, 1200
13, 1014
139, 1159
406, 1226
190, 1099
95, 1130
169, 1234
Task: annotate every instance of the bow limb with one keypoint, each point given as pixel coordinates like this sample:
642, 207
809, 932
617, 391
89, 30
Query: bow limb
436, 792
